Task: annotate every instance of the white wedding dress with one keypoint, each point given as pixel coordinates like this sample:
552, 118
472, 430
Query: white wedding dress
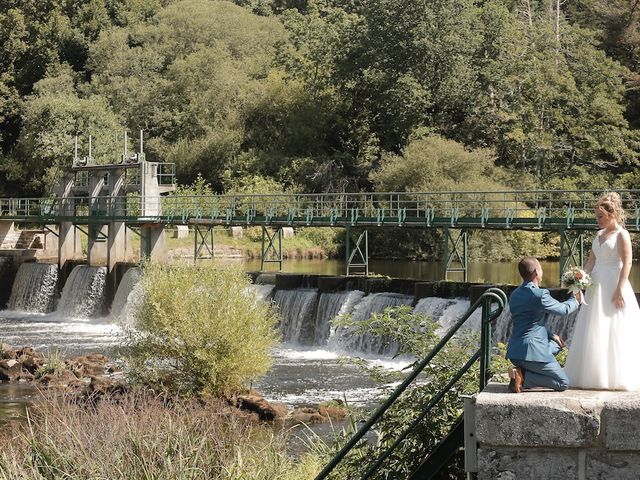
605, 348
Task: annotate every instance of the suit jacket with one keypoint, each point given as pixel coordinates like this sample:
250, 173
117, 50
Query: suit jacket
530, 334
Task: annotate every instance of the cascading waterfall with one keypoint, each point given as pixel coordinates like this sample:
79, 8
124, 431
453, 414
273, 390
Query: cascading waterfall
34, 288
126, 299
262, 291
433, 307
297, 310
83, 293
559, 325
331, 305
454, 312
502, 328
367, 343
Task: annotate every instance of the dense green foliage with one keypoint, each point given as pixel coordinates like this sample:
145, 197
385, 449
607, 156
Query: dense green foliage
199, 329
327, 95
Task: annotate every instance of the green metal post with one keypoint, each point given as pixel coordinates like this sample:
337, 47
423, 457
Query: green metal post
571, 249
202, 241
358, 257
273, 247
485, 343
458, 253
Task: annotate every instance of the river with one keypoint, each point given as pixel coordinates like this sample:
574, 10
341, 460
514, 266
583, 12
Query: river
300, 374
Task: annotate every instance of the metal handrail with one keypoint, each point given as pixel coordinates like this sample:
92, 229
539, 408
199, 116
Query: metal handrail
488, 315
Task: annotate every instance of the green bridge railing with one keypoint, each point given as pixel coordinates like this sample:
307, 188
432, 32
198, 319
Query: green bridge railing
492, 302
539, 209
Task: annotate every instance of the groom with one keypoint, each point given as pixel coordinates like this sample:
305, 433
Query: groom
532, 347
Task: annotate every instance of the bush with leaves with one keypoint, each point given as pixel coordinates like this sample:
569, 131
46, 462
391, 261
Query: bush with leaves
415, 335
199, 329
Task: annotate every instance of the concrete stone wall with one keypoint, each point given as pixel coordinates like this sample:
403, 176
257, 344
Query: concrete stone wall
568, 435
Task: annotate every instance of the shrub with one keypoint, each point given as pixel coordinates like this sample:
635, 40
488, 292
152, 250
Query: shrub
199, 329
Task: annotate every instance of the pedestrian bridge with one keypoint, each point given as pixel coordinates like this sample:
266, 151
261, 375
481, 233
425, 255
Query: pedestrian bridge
569, 213
531, 210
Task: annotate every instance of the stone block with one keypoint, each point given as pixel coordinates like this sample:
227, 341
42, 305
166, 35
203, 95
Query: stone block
424, 290
621, 420
520, 464
288, 281
536, 419
287, 232
181, 231
613, 465
332, 284
236, 232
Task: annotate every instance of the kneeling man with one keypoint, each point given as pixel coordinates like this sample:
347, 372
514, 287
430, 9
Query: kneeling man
532, 347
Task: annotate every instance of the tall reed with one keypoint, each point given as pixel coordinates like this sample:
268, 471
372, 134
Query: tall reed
142, 436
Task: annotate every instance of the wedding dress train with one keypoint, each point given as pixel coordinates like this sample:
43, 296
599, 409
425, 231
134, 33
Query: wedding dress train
605, 348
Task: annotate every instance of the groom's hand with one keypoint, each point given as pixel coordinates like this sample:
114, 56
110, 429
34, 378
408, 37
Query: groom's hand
558, 340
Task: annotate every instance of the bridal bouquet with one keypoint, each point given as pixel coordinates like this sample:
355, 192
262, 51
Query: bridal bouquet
576, 279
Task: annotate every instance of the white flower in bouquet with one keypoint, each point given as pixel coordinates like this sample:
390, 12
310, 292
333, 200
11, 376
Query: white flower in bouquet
575, 279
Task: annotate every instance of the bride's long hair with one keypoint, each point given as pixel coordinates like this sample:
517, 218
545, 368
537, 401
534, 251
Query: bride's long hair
611, 203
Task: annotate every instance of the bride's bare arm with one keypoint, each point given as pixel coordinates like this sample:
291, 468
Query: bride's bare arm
591, 261
624, 248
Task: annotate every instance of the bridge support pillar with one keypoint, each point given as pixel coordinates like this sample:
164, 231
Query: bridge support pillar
271, 247
118, 244
357, 253
571, 250
97, 245
69, 247
152, 244
456, 253
6, 229
118, 247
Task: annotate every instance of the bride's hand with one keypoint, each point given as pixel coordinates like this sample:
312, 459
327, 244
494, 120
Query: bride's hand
618, 300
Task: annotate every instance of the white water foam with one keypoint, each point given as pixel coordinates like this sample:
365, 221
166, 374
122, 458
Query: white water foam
330, 306
454, 312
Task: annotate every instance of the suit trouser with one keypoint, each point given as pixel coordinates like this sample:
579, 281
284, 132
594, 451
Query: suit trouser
544, 374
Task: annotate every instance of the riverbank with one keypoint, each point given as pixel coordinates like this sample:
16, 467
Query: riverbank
150, 432
144, 435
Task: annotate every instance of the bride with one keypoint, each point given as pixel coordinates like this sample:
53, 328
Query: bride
605, 349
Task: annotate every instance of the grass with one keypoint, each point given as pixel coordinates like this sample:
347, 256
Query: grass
142, 436
307, 242
312, 242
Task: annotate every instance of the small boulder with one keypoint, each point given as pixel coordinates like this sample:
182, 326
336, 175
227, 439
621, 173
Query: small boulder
10, 370
332, 410
60, 378
31, 364
8, 352
307, 415
257, 404
91, 365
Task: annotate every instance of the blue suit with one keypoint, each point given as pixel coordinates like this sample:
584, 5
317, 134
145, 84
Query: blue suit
531, 346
